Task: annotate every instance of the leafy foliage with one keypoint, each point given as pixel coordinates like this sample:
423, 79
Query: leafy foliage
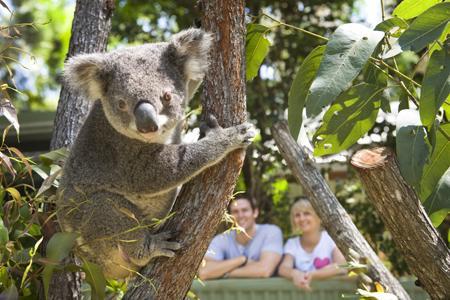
356, 74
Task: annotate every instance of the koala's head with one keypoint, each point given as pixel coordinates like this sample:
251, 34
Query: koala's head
144, 89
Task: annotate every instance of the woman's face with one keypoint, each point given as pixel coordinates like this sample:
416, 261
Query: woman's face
306, 220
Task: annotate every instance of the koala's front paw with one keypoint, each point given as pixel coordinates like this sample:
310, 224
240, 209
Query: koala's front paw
243, 134
159, 244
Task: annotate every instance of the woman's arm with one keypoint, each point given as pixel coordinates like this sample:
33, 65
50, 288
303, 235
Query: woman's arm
332, 269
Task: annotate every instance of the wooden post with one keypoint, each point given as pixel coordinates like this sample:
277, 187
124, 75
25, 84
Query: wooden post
202, 202
427, 255
334, 217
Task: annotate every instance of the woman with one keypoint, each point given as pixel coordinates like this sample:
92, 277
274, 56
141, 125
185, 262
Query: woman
313, 255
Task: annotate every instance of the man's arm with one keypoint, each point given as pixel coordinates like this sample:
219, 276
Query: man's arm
258, 269
218, 268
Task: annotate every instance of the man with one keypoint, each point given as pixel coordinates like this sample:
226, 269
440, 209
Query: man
254, 252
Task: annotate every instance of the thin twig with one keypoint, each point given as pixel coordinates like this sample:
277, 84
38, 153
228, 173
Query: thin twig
295, 27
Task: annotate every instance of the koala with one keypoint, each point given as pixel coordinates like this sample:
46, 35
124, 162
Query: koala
127, 161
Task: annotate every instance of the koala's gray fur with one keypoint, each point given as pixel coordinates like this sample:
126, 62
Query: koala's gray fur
126, 163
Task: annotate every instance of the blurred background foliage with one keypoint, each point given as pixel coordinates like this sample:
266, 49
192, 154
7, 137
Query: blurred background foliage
265, 176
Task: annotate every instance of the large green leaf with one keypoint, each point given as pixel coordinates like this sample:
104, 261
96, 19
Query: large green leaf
409, 9
299, 88
256, 48
426, 28
411, 145
438, 217
96, 279
348, 50
440, 198
435, 85
437, 163
58, 248
349, 118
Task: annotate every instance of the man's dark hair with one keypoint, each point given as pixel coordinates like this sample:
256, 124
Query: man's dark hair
249, 199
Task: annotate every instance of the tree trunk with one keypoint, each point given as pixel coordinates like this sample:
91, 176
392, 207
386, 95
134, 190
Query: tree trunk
427, 255
202, 202
90, 29
334, 217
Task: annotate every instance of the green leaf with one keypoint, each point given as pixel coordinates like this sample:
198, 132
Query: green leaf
54, 156
437, 163
347, 51
435, 86
409, 9
299, 88
393, 23
438, 217
348, 119
58, 248
4, 236
440, 198
96, 279
375, 76
437, 46
60, 245
256, 48
426, 28
411, 145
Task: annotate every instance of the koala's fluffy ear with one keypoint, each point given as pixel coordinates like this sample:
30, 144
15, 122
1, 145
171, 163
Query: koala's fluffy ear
83, 73
192, 47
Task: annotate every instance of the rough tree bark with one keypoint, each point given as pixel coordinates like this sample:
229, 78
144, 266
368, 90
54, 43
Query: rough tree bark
90, 29
202, 202
427, 255
334, 217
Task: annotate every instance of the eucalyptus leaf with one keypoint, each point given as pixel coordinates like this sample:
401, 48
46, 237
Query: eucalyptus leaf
426, 28
411, 146
437, 45
348, 119
4, 236
60, 245
347, 51
299, 89
408, 9
440, 198
58, 248
96, 279
256, 48
438, 217
435, 86
392, 23
437, 164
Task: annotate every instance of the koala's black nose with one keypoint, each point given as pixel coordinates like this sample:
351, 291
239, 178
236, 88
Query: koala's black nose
146, 117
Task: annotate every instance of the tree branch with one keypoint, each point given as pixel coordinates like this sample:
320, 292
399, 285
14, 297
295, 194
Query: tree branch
334, 217
427, 255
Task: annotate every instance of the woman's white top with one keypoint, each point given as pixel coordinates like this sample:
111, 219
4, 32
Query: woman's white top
321, 256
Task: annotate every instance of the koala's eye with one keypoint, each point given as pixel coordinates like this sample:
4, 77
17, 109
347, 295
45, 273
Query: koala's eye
167, 96
122, 105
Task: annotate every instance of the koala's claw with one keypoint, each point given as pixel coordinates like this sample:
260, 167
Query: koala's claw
246, 132
159, 244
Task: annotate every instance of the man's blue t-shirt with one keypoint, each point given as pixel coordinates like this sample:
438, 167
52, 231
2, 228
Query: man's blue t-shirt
268, 237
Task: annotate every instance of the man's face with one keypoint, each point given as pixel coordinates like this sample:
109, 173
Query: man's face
242, 211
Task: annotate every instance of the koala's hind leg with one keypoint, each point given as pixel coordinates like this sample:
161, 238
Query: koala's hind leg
114, 236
